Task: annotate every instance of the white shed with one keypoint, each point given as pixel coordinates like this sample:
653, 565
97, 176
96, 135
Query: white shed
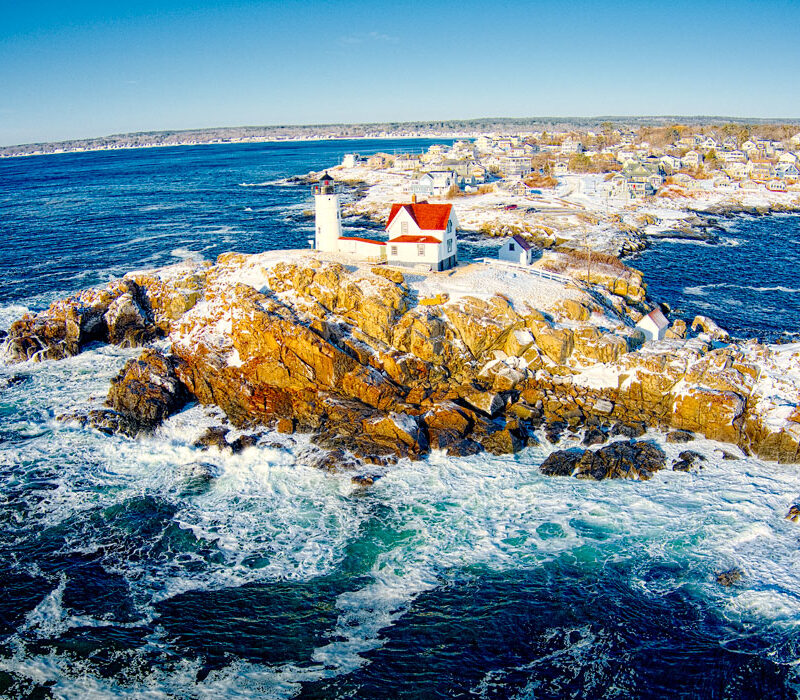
351, 160
654, 325
516, 249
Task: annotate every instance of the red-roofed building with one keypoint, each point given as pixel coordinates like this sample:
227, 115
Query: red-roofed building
422, 234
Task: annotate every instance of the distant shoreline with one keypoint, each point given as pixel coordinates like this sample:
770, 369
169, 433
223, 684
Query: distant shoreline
448, 128
104, 149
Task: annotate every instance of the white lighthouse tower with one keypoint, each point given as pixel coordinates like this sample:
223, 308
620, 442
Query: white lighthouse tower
327, 215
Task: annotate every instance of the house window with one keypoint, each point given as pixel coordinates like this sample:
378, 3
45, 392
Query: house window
449, 245
393, 251
511, 246
404, 227
421, 250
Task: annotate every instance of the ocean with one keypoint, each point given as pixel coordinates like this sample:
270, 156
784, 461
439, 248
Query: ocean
449, 578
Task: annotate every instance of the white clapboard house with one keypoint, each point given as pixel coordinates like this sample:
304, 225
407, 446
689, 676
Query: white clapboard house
422, 234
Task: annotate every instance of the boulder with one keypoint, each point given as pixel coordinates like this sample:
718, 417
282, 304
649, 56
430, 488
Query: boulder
65, 327
148, 390
621, 460
730, 577
106, 421
713, 412
556, 343
487, 402
560, 463
593, 436
215, 436
399, 432
464, 448
553, 431
680, 436
389, 273
630, 430
686, 460
480, 324
574, 310
502, 442
794, 513
710, 328
129, 325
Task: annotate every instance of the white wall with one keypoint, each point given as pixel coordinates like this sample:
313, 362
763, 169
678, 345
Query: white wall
407, 253
518, 255
362, 249
327, 222
650, 329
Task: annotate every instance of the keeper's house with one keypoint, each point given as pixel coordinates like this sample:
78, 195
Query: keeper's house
422, 235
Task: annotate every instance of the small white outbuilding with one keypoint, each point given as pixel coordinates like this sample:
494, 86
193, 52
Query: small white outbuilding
654, 325
516, 249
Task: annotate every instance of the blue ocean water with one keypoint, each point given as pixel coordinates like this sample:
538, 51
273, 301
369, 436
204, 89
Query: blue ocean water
450, 578
749, 282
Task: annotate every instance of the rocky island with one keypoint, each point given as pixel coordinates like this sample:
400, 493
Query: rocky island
378, 364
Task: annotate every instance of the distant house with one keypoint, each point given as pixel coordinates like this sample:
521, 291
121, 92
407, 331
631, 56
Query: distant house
760, 170
670, 164
735, 170
570, 145
749, 146
692, 159
654, 325
436, 183
640, 180
516, 249
377, 161
732, 156
787, 171
422, 234
560, 168
776, 186
406, 161
708, 143
422, 187
516, 166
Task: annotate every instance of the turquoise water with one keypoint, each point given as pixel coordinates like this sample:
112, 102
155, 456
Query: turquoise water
465, 578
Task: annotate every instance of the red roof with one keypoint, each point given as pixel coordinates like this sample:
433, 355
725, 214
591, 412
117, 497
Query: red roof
429, 217
362, 240
414, 239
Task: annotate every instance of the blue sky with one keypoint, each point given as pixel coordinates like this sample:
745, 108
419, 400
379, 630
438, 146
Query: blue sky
82, 69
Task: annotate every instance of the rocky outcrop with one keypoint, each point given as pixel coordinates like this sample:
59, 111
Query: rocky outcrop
619, 460
353, 357
129, 312
66, 327
147, 390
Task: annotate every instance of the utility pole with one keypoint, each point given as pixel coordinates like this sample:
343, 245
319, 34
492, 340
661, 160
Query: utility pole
588, 257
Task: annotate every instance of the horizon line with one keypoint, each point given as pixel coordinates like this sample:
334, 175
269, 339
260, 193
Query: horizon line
424, 122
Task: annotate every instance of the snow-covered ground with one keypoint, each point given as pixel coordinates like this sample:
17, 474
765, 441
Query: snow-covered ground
576, 211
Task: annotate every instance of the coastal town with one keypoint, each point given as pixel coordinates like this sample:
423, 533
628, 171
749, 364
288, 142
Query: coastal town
607, 190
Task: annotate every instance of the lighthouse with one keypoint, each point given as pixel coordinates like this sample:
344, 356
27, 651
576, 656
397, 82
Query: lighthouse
327, 216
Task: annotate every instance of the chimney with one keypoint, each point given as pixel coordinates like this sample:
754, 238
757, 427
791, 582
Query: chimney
413, 199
